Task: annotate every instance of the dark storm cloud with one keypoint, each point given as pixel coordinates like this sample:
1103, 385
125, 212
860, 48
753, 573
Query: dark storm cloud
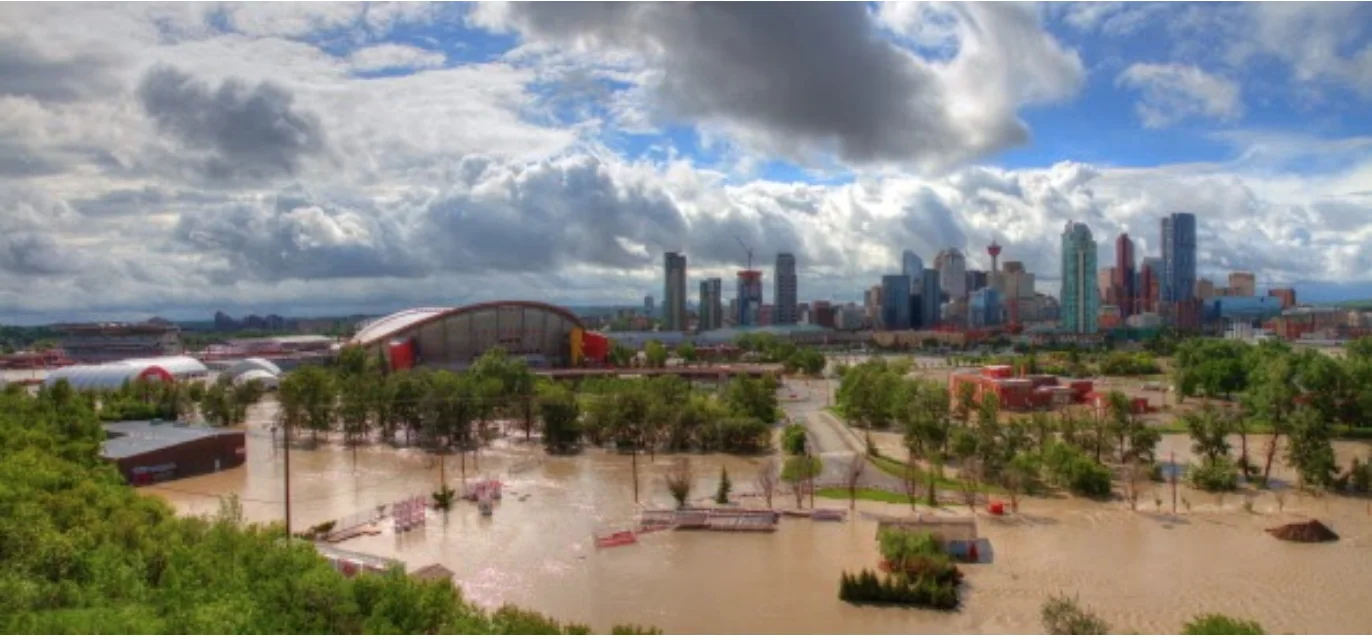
814, 73
34, 254
252, 133
549, 215
298, 239
25, 72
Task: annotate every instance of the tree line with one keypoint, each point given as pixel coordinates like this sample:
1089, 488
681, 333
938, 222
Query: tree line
1021, 454
460, 411
83, 553
1303, 397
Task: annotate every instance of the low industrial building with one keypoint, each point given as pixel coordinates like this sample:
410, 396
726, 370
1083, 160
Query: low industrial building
109, 341
149, 452
1029, 392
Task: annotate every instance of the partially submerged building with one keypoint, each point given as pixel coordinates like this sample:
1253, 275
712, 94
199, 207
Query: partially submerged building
149, 452
113, 375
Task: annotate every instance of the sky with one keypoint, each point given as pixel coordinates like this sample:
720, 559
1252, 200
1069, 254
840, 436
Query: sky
329, 158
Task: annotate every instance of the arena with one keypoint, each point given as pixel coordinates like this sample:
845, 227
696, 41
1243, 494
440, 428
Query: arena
451, 338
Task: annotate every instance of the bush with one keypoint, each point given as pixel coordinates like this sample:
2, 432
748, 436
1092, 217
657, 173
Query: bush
1220, 474
1360, 476
1129, 364
1071, 468
793, 440
1063, 616
896, 589
1214, 624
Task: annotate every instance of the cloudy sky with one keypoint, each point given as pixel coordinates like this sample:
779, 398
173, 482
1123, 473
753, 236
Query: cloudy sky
325, 158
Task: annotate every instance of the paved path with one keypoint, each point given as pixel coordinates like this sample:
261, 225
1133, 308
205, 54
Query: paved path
834, 443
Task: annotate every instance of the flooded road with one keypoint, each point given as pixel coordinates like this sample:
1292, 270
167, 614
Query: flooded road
1143, 572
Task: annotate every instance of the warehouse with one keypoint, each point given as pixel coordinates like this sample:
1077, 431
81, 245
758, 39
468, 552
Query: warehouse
148, 452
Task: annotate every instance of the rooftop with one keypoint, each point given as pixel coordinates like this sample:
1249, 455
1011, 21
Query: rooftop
137, 437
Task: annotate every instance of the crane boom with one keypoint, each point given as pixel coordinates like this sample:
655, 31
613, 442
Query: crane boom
747, 249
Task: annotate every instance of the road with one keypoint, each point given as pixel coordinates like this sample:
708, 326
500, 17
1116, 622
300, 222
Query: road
830, 439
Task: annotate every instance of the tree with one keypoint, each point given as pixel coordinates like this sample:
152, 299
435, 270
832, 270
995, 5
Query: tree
767, 479
1209, 433
679, 481
655, 353
798, 471
1272, 395
686, 351
722, 493
852, 469
1213, 624
1063, 616
1135, 475
558, 408
1310, 453
1021, 475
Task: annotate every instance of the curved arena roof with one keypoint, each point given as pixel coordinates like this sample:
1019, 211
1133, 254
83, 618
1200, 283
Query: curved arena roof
401, 321
114, 374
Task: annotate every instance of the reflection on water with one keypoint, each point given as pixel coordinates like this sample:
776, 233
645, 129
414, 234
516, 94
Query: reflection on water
1145, 572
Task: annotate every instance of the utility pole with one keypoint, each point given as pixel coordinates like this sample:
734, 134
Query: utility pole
286, 437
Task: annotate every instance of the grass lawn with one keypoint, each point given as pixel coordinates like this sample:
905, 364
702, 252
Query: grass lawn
898, 469
870, 495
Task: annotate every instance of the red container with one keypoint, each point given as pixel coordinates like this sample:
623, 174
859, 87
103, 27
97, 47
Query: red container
996, 508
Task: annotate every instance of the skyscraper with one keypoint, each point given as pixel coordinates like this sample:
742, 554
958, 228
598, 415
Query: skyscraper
1125, 276
784, 295
911, 265
1178, 257
711, 304
952, 268
929, 296
1150, 284
1079, 297
895, 302
749, 298
674, 298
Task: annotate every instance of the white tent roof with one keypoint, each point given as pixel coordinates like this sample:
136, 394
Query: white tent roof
252, 364
268, 380
114, 374
178, 366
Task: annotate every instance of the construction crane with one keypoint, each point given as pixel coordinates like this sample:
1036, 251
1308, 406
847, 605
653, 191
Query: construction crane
747, 249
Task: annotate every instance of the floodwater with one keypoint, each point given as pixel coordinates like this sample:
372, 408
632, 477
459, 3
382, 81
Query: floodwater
1147, 572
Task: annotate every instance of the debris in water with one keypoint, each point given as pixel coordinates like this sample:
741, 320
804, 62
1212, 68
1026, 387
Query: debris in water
1312, 531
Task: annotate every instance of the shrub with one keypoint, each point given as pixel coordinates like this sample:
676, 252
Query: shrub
1219, 474
1360, 476
1071, 468
1214, 624
1063, 616
866, 587
793, 440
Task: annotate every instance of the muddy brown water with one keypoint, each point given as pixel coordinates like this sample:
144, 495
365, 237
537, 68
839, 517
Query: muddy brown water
1146, 572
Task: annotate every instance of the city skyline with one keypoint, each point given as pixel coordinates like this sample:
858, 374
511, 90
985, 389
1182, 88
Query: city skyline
403, 155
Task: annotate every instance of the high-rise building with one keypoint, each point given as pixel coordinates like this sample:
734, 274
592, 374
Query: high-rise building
911, 265
984, 308
822, 314
1150, 284
749, 297
649, 309
977, 279
895, 302
930, 298
952, 268
1016, 289
711, 304
1242, 284
871, 304
1178, 257
784, 295
1080, 299
1105, 281
1125, 276
674, 298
